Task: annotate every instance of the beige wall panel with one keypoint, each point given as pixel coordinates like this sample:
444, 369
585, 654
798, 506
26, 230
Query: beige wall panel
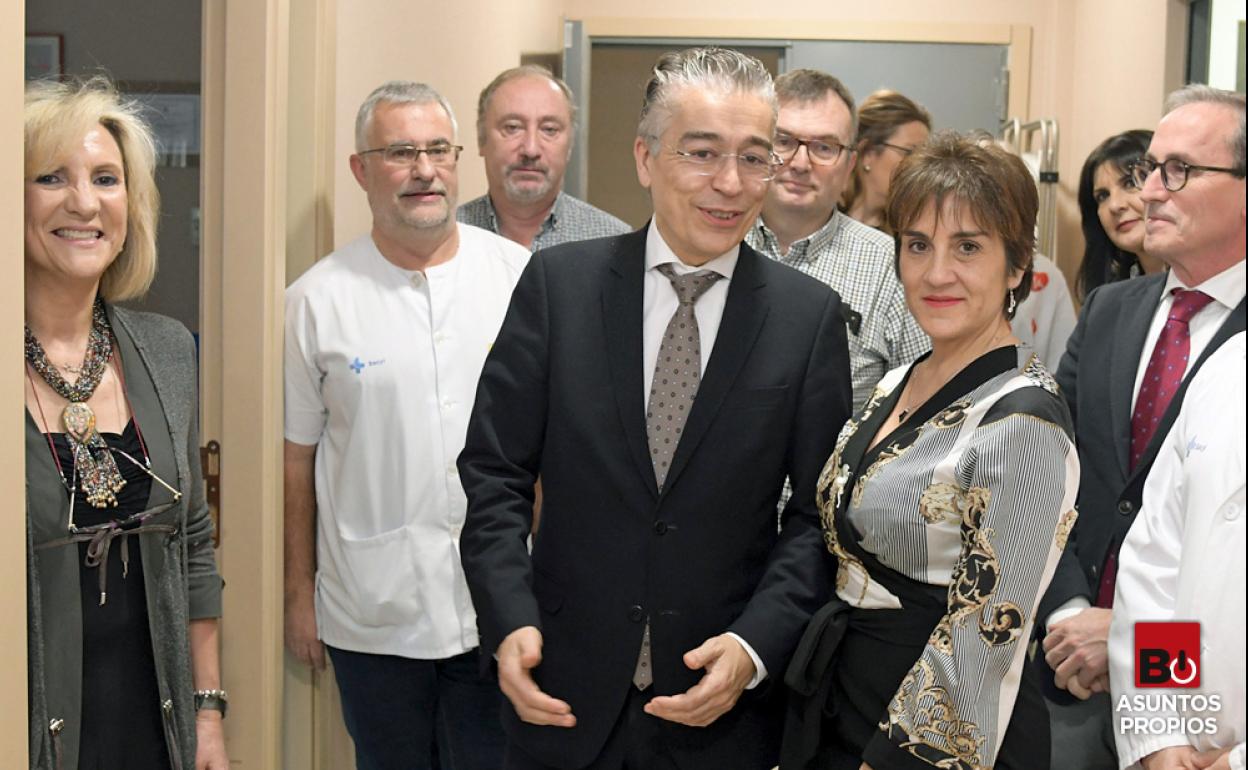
13, 716
1112, 83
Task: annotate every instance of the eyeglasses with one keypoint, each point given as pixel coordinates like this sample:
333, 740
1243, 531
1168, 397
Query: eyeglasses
442, 155
754, 166
905, 151
818, 150
1173, 172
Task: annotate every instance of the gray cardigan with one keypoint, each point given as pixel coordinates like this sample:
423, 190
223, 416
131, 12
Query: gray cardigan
179, 570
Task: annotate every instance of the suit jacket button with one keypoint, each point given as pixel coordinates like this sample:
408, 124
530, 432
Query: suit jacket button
660, 527
636, 613
1125, 507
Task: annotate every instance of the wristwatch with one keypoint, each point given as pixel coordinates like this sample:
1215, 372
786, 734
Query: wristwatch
214, 700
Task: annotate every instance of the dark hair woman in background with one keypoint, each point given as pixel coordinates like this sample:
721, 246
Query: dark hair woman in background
1113, 214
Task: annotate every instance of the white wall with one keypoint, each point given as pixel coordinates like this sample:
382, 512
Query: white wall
1224, 42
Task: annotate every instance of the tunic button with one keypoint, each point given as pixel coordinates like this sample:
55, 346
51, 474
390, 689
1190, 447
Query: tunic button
660, 527
636, 613
1125, 507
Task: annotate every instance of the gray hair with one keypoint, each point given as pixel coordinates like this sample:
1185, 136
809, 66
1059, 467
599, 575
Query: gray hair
710, 68
506, 76
805, 86
1197, 93
397, 92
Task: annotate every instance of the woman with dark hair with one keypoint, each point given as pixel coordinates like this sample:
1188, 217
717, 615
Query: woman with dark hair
946, 503
1113, 215
890, 127
124, 589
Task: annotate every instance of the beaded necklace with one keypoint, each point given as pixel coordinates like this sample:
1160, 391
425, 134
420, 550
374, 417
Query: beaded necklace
90, 452
93, 462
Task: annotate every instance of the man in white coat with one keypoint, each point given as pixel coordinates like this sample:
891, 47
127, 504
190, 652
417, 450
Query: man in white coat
1183, 560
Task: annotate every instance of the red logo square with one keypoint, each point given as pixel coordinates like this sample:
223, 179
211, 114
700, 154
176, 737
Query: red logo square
1167, 655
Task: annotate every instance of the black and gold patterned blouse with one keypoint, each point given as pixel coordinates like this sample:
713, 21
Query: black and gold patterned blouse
971, 500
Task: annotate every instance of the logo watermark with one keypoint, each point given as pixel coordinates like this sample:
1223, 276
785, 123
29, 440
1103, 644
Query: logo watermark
1167, 656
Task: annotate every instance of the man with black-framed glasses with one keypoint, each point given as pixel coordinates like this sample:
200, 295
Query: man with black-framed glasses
801, 226
1124, 374
385, 340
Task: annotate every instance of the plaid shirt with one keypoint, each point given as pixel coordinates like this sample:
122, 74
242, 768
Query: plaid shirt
856, 261
570, 219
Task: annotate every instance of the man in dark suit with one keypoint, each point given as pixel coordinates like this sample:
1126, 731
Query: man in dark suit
1123, 375
654, 619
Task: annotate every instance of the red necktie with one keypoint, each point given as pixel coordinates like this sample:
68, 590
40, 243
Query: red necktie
1165, 369
1162, 379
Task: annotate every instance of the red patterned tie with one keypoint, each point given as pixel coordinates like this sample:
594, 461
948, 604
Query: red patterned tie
1165, 369
1162, 378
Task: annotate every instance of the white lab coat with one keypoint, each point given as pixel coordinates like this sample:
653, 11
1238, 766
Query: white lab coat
1183, 560
1046, 318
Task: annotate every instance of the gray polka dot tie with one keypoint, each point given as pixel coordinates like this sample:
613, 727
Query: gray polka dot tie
677, 371
676, 377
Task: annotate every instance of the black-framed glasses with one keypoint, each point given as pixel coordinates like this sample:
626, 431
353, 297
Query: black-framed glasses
905, 151
821, 151
752, 166
443, 155
1173, 172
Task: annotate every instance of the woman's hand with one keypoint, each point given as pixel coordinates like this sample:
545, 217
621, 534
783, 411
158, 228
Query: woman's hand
210, 734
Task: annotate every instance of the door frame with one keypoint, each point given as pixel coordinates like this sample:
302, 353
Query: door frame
242, 277
14, 719
581, 34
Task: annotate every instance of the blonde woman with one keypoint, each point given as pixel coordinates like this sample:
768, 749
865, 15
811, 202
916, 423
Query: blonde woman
124, 588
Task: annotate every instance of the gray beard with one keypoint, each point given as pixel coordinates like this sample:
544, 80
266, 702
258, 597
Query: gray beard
525, 194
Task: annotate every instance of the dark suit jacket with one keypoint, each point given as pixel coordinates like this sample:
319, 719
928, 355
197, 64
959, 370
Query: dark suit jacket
562, 395
1097, 378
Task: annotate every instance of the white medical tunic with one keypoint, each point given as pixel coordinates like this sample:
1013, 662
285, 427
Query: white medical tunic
381, 371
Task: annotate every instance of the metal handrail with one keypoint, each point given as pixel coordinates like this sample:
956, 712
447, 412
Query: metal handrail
1018, 137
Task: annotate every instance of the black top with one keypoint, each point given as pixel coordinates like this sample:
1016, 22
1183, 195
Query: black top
973, 375
121, 720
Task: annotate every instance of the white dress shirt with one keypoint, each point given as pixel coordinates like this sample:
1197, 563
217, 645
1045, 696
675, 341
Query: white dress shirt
659, 303
1226, 288
381, 372
1183, 560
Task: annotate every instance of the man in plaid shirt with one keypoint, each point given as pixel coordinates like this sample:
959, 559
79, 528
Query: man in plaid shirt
525, 119
801, 227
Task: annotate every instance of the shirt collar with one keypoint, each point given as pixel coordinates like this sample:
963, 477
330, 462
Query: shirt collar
1227, 287
550, 223
659, 253
402, 276
808, 248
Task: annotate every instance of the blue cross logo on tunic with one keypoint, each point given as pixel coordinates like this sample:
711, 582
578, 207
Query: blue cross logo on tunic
356, 366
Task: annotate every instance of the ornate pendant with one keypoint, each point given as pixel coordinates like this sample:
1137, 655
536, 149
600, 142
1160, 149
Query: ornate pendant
94, 465
79, 421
